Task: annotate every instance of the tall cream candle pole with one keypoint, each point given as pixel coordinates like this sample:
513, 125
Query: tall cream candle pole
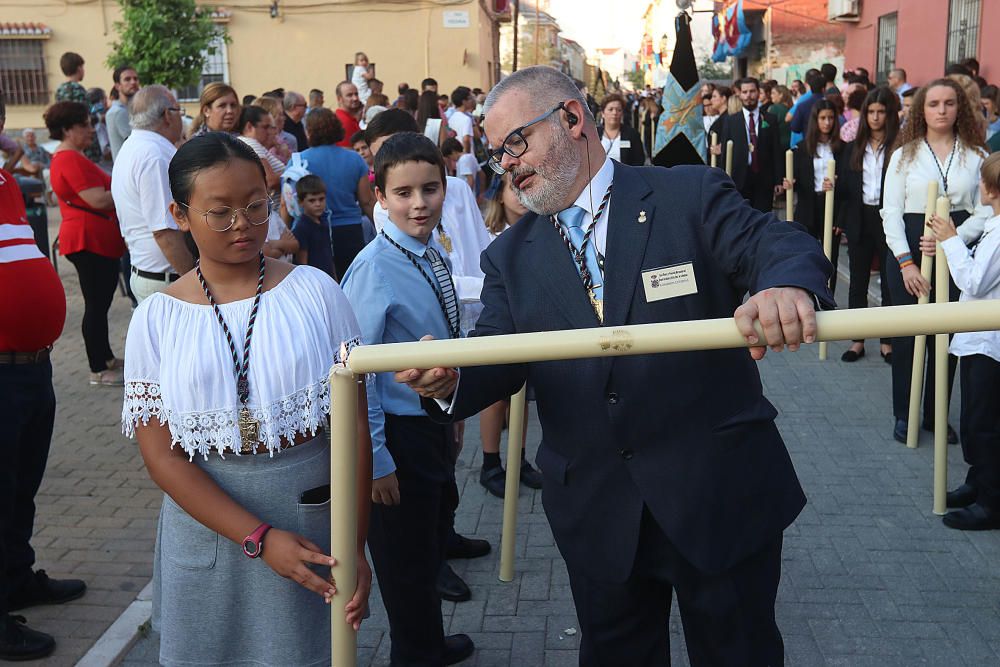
515, 441
713, 158
790, 192
343, 510
920, 342
941, 295
729, 157
714, 334
831, 173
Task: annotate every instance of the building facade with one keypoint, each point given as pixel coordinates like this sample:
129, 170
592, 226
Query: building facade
921, 37
296, 45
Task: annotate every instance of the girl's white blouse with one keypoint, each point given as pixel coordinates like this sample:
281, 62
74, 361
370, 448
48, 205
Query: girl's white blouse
179, 369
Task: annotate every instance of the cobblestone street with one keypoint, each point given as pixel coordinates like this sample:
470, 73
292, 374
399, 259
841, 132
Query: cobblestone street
870, 576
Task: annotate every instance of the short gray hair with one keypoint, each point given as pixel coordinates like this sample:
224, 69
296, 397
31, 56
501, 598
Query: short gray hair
291, 99
544, 85
148, 106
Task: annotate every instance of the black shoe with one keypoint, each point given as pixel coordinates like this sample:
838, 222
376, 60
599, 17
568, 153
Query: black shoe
899, 431
457, 648
952, 436
493, 480
963, 496
450, 585
973, 517
851, 355
19, 642
38, 589
530, 477
465, 547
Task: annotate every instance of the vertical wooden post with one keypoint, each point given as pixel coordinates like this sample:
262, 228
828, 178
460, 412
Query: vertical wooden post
729, 158
920, 342
515, 441
343, 510
941, 376
713, 158
831, 173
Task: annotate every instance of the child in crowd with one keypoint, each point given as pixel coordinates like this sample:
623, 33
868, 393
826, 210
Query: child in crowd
360, 147
236, 441
976, 272
503, 209
361, 75
461, 164
312, 227
403, 289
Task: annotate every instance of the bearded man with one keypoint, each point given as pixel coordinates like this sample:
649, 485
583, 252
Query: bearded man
663, 473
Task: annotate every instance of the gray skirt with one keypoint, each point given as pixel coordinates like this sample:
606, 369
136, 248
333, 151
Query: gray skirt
214, 606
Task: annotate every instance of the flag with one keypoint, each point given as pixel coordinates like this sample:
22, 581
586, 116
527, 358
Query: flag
680, 135
729, 28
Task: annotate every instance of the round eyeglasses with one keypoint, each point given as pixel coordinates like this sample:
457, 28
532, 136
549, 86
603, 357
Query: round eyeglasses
222, 218
515, 145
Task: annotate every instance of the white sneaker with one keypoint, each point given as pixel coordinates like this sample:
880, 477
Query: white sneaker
113, 377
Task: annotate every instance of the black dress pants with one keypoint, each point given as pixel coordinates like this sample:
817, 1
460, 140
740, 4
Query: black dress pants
980, 426
98, 281
347, 240
728, 617
757, 192
814, 224
902, 348
407, 541
25, 434
869, 244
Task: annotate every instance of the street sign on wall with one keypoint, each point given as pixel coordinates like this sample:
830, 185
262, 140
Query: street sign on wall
456, 19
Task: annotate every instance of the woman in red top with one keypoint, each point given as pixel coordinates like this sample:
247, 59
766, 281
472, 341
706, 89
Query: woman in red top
89, 236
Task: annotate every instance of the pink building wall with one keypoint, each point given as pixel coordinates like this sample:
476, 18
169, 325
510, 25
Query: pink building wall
921, 38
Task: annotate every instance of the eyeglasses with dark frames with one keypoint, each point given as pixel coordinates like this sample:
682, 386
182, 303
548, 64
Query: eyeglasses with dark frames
515, 145
222, 218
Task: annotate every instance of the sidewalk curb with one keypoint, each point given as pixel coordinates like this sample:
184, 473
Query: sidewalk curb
118, 639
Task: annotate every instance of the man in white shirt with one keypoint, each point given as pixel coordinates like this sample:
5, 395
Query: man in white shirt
141, 190
461, 119
127, 85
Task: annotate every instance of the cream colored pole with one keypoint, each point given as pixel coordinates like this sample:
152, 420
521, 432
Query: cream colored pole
729, 157
515, 441
941, 375
714, 334
343, 510
790, 192
713, 158
831, 173
920, 342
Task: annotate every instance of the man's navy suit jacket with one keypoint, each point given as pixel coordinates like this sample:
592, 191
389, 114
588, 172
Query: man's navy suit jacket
689, 435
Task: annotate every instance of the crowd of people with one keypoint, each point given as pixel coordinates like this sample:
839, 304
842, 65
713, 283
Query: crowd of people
381, 221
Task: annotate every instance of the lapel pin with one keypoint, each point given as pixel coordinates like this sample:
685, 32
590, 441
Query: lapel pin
642, 218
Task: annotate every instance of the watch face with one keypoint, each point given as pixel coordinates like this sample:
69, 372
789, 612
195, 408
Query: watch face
251, 548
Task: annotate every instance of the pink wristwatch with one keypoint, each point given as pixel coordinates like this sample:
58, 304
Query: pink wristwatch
253, 544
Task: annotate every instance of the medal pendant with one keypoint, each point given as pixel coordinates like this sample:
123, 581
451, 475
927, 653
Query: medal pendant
597, 305
751, 148
249, 432
445, 242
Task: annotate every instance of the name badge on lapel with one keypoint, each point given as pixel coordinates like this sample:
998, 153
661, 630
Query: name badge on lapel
625, 143
668, 282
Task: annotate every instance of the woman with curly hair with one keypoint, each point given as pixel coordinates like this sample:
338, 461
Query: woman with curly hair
345, 174
942, 142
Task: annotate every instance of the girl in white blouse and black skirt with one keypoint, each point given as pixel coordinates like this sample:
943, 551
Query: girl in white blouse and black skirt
942, 141
226, 391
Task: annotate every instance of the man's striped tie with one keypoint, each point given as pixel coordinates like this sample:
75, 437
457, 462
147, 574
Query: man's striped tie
443, 277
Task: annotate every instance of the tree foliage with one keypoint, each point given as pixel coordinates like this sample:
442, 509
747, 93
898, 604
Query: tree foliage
166, 41
709, 69
637, 78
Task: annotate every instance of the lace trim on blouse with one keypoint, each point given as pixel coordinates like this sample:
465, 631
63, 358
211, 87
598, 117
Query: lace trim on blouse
299, 413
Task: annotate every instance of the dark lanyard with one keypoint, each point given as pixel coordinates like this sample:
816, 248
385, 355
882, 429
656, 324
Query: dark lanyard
951, 156
242, 369
580, 256
453, 330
